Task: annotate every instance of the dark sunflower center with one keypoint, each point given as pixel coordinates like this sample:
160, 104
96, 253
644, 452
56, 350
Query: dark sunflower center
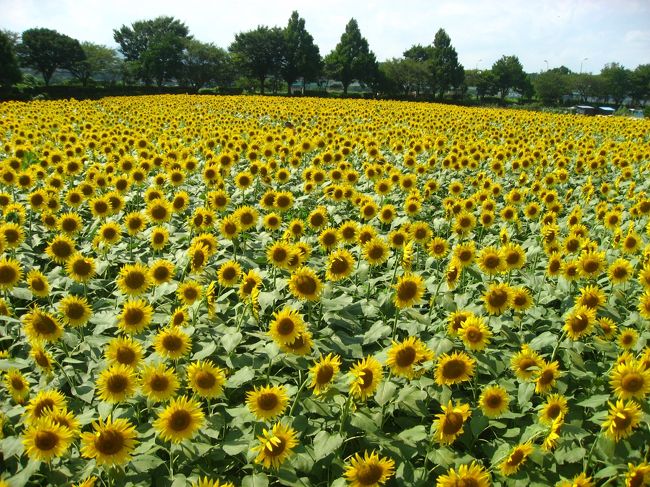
329, 239
117, 383
133, 316
172, 343
367, 378
267, 401
109, 442
82, 267
376, 252
553, 411
465, 255
632, 383
42, 406
516, 458
180, 420
473, 335
205, 380
44, 325
190, 293
46, 440
339, 266
229, 273
452, 423
590, 266
286, 326
134, 280
498, 298
159, 383
158, 212
161, 273
405, 357
453, 369
306, 285
546, 377
62, 249
579, 323
125, 355
369, 474
622, 423
493, 401
38, 284
280, 254
324, 374
275, 448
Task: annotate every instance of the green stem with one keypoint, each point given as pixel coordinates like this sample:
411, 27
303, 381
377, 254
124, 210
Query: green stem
295, 401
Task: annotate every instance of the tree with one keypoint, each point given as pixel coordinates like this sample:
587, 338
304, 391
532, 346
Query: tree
405, 75
301, 55
484, 81
351, 58
206, 62
509, 75
640, 83
447, 71
98, 60
551, 85
419, 53
9, 70
156, 46
616, 80
259, 52
46, 50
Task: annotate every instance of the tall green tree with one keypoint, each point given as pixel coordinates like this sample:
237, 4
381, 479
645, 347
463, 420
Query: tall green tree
204, 63
259, 53
405, 76
301, 56
446, 70
351, 58
155, 46
508, 75
99, 60
419, 53
47, 50
9, 70
640, 83
551, 85
616, 80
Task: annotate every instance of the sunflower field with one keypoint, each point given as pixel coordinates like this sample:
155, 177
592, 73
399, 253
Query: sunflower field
257, 291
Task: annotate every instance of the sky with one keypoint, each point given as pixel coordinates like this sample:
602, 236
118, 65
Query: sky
579, 34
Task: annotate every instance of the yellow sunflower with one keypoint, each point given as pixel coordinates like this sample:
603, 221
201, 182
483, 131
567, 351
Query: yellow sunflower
43, 403
286, 326
637, 475
80, 268
304, 284
515, 459
117, 383
135, 316
340, 264
323, 373
547, 377
180, 420
526, 363
133, 279
494, 401
40, 325
498, 298
405, 358
555, 406
579, 322
409, 290
111, 443
172, 343
490, 261
366, 376
45, 440
37, 283
125, 351
267, 402
375, 251
592, 297
475, 333
17, 386
11, 272
467, 475
158, 382
159, 238
206, 379
623, 418
369, 470
189, 292
448, 425
620, 271
229, 274
454, 368
276, 445
75, 310
630, 380
300, 346
161, 271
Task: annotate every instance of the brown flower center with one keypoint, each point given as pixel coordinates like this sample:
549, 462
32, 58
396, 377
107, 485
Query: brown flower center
46, 440
405, 357
109, 442
205, 380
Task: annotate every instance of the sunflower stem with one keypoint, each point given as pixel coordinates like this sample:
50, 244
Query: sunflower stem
171, 462
344, 414
562, 336
591, 451
302, 386
395, 323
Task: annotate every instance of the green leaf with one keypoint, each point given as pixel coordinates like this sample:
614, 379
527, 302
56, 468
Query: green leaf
413, 435
546, 339
23, 476
243, 375
477, 424
526, 390
324, 444
206, 350
235, 443
594, 401
607, 472
146, 463
255, 480
385, 392
230, 341
376, 332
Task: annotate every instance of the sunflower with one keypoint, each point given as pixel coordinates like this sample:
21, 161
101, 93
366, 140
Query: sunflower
172, 343
135, 222
45, 440
592, 297
526, 363
100, 207
158, 382
406, 357
249, 283
579, 322
631, 243
366, 376
328, 238
474, 333
179, 317
275, 445
623, 417
40, 325
278, 254
620, 271
455, 321
161, 271
454, 368
135, 316
490, 261
17, 386
110, 233
348, 231
515, 459
627, 338
229, 273
637, 475
643, 307
189, 292
64, 418
497, 298
267, 402
438, 248
547, 377
12, 234
465, 253
340, 264
556, 405
159, 237
41, 357
272, 221
467, 475
180, 420
206, 482
300, 346
514, 256
10, 273
159, 211
494, 401
133, 279
206, 379
286, 326
452, 274
409, 290
125, 351
375, 251
591, 263
111, 442
369, 470
323, 373
38, 283
117, 383
630, 380
43, 403
304, 284
448, 425
80, 268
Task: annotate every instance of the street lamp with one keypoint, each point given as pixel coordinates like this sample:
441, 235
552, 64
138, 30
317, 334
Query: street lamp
585, 59
546, 64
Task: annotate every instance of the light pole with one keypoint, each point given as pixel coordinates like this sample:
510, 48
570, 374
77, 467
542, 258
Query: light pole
585, 59
546, 64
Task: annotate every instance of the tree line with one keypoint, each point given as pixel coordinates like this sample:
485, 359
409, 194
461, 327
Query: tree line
161, 51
